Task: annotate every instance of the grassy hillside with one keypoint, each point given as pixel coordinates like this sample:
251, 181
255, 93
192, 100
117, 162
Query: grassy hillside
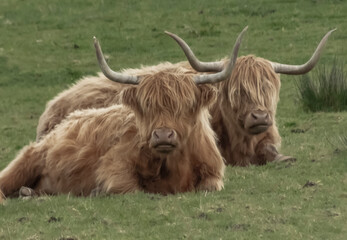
47, 45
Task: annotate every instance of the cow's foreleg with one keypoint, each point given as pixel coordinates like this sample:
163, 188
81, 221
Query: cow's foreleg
267, 152
210, 184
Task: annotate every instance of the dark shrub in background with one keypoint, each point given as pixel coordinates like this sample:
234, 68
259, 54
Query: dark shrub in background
325, 89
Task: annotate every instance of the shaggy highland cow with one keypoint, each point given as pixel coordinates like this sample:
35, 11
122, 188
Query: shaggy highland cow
243, 116
161, 141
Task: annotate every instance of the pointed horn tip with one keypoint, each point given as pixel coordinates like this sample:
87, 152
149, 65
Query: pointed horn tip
333, 30
239, 38
329, 33
244, 30
169, 33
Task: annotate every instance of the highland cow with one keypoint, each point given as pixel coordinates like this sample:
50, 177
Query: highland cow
243, 116
160, 141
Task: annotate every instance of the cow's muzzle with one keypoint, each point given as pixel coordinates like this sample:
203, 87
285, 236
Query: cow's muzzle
257, 122
163, 140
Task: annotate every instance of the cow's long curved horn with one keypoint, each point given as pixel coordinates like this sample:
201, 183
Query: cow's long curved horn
304, 68
226, 72
114, 76
194, 62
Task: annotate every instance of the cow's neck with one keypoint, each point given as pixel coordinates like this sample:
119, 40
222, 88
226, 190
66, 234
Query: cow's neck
164, 174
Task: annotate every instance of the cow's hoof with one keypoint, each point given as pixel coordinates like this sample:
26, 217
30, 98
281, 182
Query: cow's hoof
283, 158
25, 192
211, 185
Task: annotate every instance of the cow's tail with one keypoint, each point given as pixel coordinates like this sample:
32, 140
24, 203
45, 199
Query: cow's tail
24, 170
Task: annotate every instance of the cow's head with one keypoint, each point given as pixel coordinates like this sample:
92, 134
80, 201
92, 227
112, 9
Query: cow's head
249, 98
168, 104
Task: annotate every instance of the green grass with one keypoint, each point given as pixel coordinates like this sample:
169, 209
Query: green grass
47, 45
325, 89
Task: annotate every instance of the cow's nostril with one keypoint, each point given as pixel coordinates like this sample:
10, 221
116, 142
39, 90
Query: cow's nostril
171, 134
155, 134
254, 116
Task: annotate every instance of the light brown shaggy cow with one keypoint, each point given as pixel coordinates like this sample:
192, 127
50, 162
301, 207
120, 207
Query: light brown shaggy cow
243, 116
161, 141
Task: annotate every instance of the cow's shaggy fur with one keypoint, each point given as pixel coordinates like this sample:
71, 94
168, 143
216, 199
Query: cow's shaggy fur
253, 85
107, 148
90, 92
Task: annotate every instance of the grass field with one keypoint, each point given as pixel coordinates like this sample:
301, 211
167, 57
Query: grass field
47, 45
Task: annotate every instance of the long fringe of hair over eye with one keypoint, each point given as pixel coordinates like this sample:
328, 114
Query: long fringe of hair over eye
254, 77
172, 92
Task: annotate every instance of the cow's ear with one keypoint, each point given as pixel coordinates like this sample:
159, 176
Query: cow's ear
129, 97
208, 94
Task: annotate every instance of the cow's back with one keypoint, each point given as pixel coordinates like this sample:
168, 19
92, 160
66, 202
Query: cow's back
89, 92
